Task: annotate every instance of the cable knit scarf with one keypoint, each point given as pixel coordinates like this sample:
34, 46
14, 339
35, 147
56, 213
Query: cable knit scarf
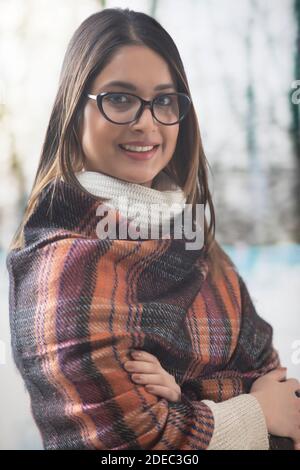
79, 304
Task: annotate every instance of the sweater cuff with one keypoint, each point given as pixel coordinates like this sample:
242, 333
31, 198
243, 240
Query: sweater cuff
239, 424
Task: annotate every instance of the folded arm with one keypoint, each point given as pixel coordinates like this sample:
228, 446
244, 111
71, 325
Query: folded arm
71, 337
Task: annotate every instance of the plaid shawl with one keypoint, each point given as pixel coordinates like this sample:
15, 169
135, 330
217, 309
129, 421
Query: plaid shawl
79, 305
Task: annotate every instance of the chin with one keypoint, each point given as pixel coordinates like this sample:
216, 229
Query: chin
146, 181
141, 182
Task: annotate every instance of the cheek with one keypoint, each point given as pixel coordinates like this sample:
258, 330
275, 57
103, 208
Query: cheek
171, 138
96, 131
89, 127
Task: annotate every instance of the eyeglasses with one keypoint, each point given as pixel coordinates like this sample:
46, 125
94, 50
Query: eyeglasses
123, 108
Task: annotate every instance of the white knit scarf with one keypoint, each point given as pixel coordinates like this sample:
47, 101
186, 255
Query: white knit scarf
124, 196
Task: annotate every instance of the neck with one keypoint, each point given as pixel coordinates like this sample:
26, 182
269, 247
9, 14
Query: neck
148, 184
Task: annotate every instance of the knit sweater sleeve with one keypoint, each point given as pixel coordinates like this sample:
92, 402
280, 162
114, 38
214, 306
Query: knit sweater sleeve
239, 424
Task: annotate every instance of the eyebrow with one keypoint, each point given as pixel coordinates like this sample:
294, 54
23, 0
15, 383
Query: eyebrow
130, 86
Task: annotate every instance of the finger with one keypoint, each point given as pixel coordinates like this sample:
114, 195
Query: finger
148, 379
141, 366
145, 356
163, 392
293, 383
278, 374
297, 445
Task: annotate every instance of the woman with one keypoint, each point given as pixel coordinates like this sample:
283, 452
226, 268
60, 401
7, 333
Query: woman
123, 125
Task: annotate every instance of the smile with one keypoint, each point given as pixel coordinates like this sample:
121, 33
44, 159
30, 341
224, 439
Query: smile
140, 154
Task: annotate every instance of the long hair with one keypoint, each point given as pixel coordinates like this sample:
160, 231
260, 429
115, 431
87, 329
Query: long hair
91, 47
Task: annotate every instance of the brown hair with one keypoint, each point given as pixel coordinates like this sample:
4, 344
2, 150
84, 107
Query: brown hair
90, 49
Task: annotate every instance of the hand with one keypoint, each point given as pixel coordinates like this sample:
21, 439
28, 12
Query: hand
148, 371
279, 403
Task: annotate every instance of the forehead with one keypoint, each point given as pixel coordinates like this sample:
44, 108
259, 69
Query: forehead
139, 66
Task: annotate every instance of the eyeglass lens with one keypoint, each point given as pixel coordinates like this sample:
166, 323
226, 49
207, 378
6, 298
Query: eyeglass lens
167, 108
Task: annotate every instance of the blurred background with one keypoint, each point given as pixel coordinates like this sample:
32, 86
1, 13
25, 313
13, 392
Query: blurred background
242, 60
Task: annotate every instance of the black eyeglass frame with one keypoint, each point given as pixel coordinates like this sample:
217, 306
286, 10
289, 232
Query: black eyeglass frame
144, 103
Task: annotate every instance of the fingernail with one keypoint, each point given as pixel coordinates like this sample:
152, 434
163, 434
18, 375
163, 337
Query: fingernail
136, 354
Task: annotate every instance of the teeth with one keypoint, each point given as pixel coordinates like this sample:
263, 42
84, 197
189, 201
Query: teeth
138, 149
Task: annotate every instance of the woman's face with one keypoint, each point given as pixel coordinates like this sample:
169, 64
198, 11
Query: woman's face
100, 138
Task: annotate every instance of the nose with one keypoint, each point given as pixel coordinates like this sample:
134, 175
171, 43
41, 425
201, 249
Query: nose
146, 118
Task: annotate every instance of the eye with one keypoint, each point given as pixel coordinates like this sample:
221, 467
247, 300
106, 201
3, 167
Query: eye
163, 100
118, 98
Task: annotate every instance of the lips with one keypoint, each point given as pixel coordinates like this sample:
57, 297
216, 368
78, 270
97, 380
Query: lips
138, 145
139, 155
141, 144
